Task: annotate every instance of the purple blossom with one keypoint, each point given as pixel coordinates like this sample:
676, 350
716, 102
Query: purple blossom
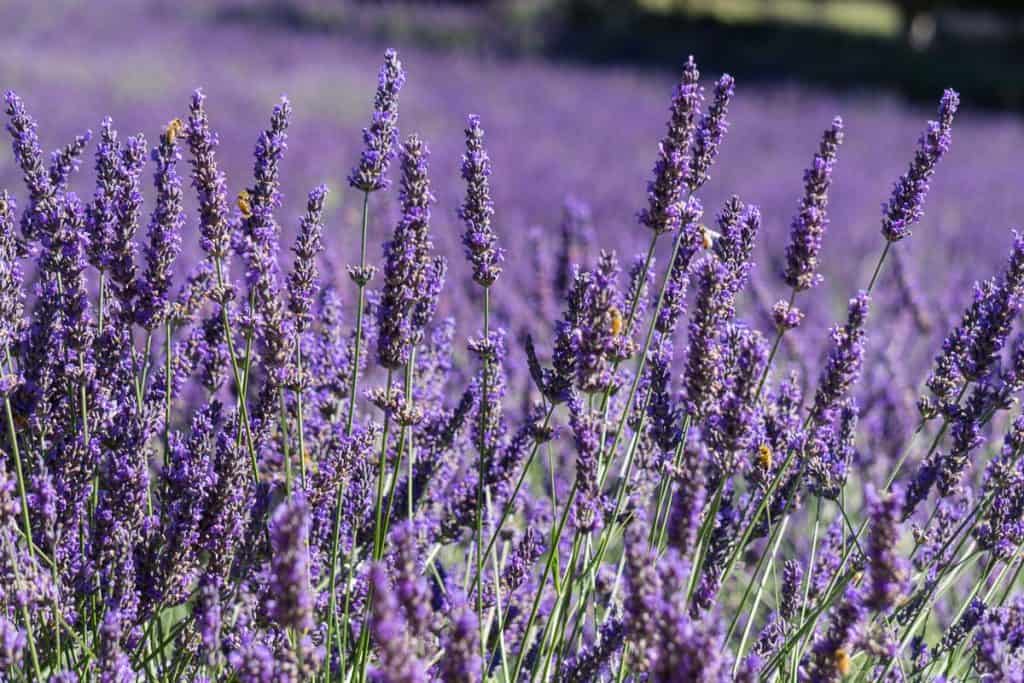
291, 597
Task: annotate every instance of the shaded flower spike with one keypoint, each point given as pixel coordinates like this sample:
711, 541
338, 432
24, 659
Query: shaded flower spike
381, 137
713, 126
291, 603
665, 191
906, 205
29, 155
413, 278
888, 573
66, 161
208, 181
830, 658
303, 280
165, 225
461, 660
809, 224
843, 366
12, 307
587, 503
477, 210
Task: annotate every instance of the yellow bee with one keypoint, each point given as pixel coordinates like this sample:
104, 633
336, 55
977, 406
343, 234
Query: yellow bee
244, 204
708, 236
764, 456
615, 321
842, 661
3, 205
173, 130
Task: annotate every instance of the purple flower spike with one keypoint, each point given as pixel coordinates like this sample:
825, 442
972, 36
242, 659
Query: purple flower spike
303, 281
168, 219
413, 278
809, 224
477, 210
208, 181
713, 126
906, 206
665, 191
381, 136
291, 603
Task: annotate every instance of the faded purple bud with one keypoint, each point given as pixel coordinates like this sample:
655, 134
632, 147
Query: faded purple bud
888, 573
587, 513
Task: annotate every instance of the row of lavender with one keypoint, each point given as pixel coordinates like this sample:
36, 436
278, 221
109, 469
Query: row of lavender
235, 475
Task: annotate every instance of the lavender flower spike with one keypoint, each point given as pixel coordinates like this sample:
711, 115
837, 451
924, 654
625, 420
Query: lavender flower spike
29, 155
381, 136
713, 127
292, 603
664, 192
153, 304
412, 277
887, 571
208, 181
810, 221
303, 280
843, 366
478, 209
906, 205
587, 503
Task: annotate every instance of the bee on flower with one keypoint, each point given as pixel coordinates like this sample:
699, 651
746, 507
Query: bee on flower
173, 130
244, 202
615, 321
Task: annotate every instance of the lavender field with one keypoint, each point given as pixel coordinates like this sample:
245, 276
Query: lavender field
327, 361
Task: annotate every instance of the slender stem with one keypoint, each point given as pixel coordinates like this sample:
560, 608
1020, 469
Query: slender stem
481, 467
354, 384
349, 424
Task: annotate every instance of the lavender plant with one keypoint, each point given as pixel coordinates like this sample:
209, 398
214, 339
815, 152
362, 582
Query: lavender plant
230, 468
